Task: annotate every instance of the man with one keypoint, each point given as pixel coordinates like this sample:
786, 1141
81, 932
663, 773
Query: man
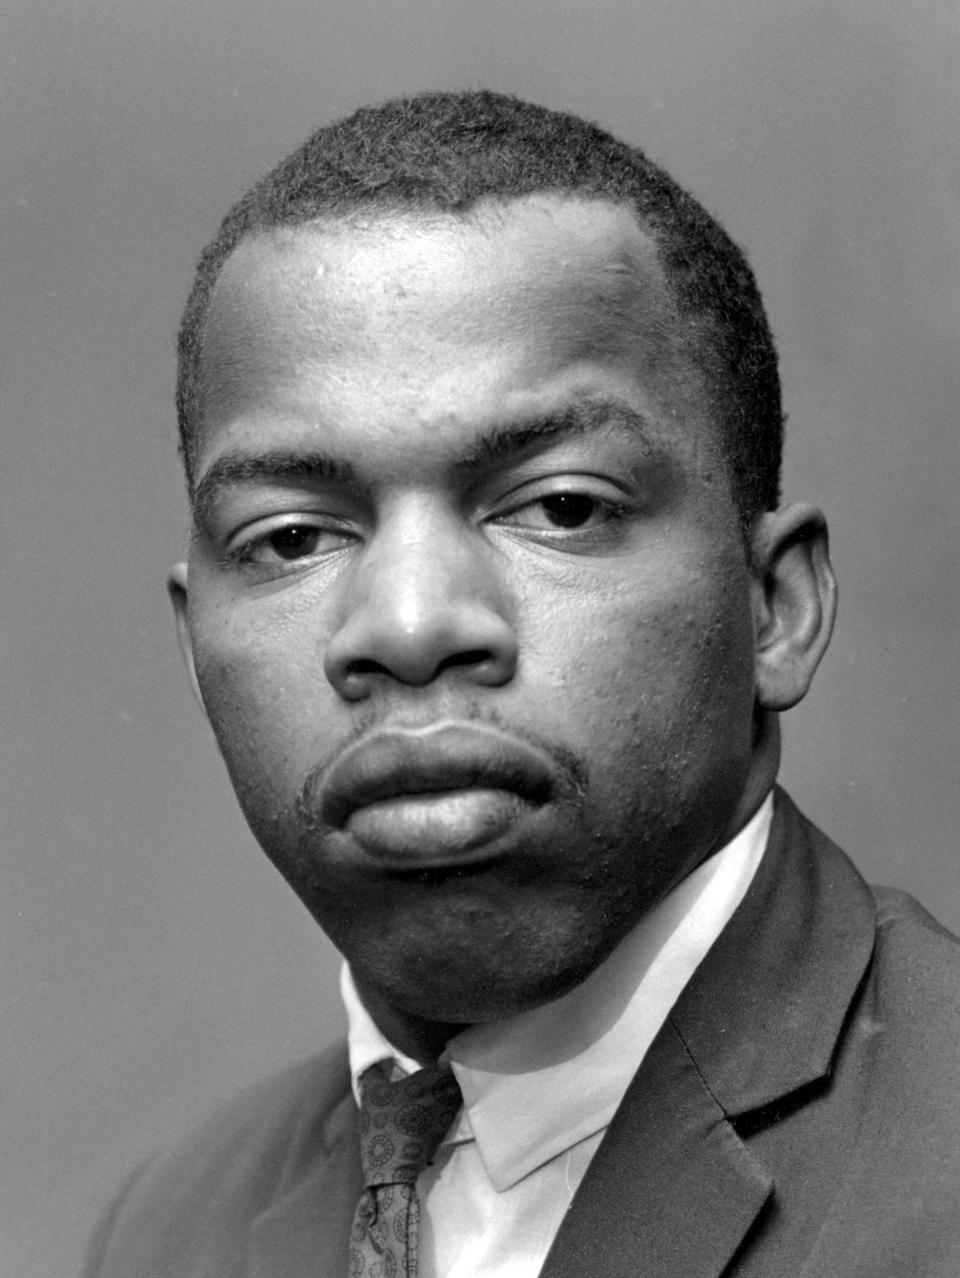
492, 609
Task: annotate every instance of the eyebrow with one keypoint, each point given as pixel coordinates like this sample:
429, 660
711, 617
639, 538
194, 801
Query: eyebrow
506, 441
495, 445
275, 465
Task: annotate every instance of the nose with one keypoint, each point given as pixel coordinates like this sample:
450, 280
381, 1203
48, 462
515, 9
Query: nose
419, 603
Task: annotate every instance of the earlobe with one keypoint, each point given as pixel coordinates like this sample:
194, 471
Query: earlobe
795, 601
177, 590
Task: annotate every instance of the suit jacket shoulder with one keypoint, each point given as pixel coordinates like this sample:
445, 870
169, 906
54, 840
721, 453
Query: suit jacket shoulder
193, 1213
898, 1208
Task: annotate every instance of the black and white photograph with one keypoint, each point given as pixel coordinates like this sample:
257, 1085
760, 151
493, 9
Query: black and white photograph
481, 523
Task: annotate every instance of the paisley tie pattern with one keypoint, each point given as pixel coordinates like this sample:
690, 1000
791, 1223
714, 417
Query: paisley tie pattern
401, 1126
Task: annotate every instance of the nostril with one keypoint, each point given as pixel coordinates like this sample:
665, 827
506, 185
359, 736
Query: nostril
474, 657
363, 666
427, 667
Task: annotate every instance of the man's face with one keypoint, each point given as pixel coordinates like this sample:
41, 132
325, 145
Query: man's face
468, 601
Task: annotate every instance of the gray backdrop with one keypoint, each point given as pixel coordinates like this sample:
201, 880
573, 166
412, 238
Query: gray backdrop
151, 963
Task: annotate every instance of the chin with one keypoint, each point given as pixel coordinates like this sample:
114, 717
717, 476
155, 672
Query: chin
479, 979
483, 1003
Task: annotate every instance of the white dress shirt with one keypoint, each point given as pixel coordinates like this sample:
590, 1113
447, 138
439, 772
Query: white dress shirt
540, 1088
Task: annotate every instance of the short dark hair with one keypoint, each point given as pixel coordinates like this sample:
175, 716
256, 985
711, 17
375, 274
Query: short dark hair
447, 151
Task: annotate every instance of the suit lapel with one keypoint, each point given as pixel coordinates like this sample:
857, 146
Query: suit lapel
763, 1014
673, 1189
306, 1229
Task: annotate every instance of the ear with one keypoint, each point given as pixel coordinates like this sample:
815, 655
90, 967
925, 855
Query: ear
795, 602
177, 590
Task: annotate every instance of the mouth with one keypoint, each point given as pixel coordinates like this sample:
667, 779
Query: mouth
443, 795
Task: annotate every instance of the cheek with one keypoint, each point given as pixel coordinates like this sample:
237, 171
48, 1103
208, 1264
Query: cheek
253, 656
679, 635
262, 691
654, 683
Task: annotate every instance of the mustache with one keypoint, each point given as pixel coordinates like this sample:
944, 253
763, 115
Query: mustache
314, 810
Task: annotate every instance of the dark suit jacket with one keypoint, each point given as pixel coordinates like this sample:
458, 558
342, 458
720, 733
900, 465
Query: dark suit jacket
798, 1115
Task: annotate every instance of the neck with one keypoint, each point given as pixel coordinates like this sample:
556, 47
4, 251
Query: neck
763, 773
421, 1039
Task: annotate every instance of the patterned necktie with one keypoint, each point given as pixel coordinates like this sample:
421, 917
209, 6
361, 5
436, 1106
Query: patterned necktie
401, 1126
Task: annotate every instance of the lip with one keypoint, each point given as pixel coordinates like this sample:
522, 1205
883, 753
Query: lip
391, 766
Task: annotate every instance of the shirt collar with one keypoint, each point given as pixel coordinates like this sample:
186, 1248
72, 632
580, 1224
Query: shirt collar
537, 1083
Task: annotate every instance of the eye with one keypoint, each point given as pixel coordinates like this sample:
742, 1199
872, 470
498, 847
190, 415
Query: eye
292, 542
570, 510
573, 514
288, 543
565, 512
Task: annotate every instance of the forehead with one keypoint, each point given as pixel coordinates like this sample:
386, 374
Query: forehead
540, 246
413, 313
